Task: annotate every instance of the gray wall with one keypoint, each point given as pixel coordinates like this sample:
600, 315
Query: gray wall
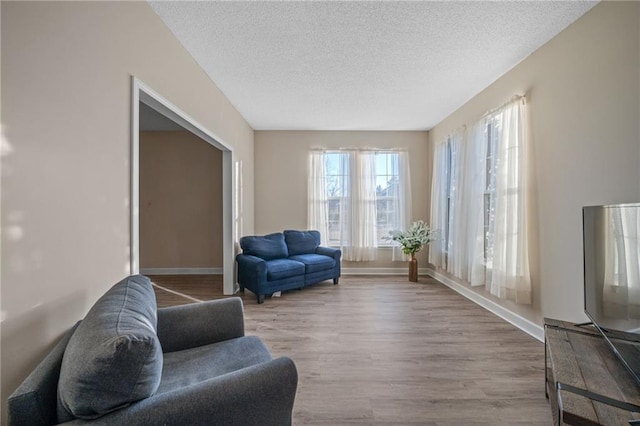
66, 107
281, 177
180, 201
583, 96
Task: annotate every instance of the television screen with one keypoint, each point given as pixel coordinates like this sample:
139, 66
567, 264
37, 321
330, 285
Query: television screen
611, 237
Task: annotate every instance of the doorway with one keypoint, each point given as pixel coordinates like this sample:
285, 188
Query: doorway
144, 96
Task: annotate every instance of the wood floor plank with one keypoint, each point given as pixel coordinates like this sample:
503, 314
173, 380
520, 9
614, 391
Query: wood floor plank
384, 351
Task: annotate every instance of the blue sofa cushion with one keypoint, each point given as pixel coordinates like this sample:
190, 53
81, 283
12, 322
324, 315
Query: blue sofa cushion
302, 242
283, 268
114, 357
266, 247
315, 262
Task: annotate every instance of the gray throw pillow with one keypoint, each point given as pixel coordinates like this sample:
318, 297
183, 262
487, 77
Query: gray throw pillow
114, 357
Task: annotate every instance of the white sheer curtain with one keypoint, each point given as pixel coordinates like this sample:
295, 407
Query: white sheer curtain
466, 206
346, 165
364, 239
479, 204
350, 178
439, 210
317, 214
510, 277
403, 203
475, 189
456, 247
621, 290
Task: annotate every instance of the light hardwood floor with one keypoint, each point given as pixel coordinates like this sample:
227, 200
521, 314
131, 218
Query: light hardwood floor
384, 351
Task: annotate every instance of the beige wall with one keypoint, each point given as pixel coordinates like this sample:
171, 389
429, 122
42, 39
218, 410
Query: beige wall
180, 201
66, 105
583, 93
281, 177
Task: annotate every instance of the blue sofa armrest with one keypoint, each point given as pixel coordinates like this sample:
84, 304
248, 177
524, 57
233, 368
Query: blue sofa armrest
331, 252
335, 254
251, 269
262, 394
197, 324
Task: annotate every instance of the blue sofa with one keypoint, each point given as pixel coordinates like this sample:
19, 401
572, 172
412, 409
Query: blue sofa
129, 363
285, 261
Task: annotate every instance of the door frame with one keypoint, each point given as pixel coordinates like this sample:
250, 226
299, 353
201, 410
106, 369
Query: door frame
142, 93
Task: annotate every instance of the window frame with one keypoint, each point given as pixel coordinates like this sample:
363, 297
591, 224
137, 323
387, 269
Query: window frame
492, 132
346, 179
383, 241
341, 177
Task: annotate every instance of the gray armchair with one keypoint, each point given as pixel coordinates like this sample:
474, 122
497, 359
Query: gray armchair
210, 373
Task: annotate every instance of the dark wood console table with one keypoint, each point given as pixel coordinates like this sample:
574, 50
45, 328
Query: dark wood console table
585, 383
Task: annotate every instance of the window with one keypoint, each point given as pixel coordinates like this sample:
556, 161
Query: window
387, 195
452, 173
492, 130
337, 187
365, 197
450, 156
479, 204
449, 192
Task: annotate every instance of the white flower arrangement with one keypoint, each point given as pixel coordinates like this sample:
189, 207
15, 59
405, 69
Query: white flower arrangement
413, 239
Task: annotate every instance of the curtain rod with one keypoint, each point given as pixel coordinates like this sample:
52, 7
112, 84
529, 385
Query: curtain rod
463, 128
514, 98
366, 149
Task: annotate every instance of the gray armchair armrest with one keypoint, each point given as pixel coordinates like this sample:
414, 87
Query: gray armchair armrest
262, 394
196, 324
34, 401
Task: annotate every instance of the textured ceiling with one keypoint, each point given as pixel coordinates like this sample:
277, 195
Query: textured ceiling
360, 65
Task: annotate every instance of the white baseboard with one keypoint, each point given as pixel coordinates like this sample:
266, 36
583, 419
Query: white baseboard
181, 271
529, 327
382, 271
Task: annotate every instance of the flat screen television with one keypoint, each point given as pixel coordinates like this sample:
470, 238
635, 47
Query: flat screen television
611, 243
